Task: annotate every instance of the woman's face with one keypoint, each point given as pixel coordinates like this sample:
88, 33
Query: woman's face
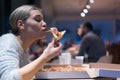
35, 25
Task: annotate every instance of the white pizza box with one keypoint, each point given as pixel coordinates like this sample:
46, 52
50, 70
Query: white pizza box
93, 70
63, 74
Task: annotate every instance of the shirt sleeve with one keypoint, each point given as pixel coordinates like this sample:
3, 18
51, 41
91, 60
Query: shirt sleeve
9, 65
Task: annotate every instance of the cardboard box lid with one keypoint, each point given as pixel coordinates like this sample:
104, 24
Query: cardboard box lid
105, 66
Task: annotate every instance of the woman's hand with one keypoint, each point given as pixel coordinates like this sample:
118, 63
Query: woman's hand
51, 51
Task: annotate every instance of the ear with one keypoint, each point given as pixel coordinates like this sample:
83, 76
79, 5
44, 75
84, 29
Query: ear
20, 24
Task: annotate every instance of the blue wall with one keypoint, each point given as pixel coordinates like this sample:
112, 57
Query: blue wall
105, 28
118, 30
71, 29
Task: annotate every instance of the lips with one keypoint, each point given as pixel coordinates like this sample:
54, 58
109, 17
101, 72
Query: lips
45, 30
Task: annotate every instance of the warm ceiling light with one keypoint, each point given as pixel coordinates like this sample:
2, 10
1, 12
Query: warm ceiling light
88, 6
82, 14
85, 10
91, 1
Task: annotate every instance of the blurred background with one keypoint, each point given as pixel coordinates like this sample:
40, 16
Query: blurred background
69, 14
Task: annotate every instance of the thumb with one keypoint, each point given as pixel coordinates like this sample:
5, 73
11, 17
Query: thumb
52, 42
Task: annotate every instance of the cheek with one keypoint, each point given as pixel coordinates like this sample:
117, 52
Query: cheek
33, 26
80, 31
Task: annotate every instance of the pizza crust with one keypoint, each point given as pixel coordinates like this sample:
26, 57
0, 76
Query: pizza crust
56, 34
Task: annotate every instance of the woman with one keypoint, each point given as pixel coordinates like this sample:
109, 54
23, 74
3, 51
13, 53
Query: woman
27, 26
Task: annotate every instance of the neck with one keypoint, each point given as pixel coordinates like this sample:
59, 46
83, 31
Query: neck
25, 42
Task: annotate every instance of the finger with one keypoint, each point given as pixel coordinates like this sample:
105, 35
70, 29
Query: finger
53, 41
56, 44
60, 46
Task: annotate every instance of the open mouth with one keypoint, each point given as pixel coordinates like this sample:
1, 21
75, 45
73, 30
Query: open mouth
45, 29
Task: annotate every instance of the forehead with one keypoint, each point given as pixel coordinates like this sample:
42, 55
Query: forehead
34, 13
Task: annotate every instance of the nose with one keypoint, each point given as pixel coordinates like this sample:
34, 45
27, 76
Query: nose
44, 23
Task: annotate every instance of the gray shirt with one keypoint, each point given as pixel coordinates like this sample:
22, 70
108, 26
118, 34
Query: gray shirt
92, 46
12, 57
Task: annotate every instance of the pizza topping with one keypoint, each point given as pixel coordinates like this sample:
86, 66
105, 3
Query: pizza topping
56, 34
62, 68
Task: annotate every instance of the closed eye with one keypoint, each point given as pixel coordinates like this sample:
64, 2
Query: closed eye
38, 19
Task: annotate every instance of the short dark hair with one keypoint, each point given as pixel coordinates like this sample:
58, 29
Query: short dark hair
88, 25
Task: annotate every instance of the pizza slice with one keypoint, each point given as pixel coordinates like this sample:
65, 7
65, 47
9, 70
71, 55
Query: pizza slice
56, 34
